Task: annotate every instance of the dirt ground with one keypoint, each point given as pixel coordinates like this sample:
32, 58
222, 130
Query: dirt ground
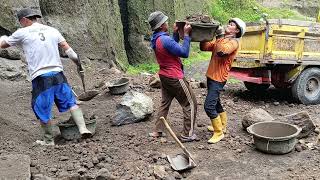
126, 152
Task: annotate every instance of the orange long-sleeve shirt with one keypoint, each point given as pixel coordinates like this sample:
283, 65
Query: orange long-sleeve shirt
219, 67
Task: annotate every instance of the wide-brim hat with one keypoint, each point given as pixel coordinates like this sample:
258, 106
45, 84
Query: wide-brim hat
27, 12
156, 19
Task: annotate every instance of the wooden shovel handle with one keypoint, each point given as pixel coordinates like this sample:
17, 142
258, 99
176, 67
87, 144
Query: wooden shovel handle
175, 137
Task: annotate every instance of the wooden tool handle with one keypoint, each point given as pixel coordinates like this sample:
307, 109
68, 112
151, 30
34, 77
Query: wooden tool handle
174, 136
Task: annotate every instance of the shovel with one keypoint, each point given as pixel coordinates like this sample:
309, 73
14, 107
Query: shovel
182, 161
86, 95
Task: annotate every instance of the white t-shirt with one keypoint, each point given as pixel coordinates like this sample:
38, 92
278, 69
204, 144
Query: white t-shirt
40, 45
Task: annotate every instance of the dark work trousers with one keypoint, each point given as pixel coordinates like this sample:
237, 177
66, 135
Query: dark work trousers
212, 104
181, 91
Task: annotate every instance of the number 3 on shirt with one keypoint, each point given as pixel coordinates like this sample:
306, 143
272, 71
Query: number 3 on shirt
42, 38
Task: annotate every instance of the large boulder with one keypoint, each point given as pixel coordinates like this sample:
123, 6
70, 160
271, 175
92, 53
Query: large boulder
93, 28
133, 108
255, 116
137, 31
12, 53
12, 70
302, 120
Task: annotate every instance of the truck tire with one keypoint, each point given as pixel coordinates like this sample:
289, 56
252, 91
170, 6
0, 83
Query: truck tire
256, 87
306, 88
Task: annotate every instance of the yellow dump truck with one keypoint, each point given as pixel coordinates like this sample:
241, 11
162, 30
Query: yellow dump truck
284, 53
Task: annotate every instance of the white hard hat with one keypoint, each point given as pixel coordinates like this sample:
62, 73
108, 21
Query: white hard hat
241, 25
156, 19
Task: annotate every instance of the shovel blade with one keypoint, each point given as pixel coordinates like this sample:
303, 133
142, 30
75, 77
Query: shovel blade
181, 162
86, 96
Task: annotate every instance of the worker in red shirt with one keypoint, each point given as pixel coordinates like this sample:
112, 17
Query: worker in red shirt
223, 51
173, 84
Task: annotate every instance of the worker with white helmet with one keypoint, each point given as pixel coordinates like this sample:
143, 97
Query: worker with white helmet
223, 51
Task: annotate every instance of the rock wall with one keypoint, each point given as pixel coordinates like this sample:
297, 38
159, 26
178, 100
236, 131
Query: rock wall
137, 32
8, 9
94, 28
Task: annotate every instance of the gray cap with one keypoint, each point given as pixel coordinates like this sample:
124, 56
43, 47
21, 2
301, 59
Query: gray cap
156, 19
27, 12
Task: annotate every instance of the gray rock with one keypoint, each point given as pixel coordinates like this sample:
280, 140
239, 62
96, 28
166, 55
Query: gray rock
33, 163
104, 174
195, 85
41, 177
63, 175
64, 158
69, 167
12, 70
89, 165
254, 116
11, 53
276, 103
133, 108
302, 120
54, 170
160, 172
82, 170
95, 160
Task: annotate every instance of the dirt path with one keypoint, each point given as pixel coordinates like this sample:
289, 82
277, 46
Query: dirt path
126, 151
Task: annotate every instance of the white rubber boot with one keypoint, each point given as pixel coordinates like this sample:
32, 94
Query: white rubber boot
77, 116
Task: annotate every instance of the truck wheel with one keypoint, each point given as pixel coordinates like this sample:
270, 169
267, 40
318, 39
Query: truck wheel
256, 87
306, 87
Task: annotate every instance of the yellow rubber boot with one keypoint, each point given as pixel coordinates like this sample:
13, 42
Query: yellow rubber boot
218, 133
210, 128
224, 119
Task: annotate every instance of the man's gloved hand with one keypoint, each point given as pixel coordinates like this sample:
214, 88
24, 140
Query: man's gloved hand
222, 54
80, 69
2, 40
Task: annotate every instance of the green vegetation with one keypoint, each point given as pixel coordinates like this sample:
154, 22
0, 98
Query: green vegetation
223, 10
232, 80
145, 67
